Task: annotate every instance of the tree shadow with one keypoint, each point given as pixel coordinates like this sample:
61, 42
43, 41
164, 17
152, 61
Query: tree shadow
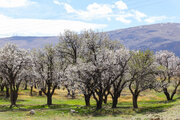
124, 108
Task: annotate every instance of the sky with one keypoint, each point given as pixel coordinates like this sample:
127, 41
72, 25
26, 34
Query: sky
52, 17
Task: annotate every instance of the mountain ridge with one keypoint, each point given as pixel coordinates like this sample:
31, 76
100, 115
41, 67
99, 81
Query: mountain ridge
161, 36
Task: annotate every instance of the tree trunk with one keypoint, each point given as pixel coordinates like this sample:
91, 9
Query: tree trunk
40, 93
135, 97
174, 91
2, 87
31, 91
35, 86
73, 95
172, 95
115, 101
49, 100
69, 93
87, 99
166, 94
25, 87
99, 104
98, 101
105, 99
13, 98
7, 91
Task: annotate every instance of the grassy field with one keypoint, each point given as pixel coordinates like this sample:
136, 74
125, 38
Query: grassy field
150, 103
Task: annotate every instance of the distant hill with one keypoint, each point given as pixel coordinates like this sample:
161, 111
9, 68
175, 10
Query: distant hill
155, 37
30, 42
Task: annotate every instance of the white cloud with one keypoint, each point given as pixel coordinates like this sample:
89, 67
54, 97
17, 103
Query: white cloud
14, 3
123, 18
155, 19
138, 15
107, 11
121, 5
118, 11
69, 8
93, 11
126, 17
57, 2
39, 27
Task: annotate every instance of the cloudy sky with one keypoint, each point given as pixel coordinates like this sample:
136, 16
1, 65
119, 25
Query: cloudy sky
50, 17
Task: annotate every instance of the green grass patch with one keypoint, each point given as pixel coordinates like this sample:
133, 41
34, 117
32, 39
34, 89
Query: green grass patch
62, 106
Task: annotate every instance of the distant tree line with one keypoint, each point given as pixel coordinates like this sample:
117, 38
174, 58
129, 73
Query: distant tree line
91, 64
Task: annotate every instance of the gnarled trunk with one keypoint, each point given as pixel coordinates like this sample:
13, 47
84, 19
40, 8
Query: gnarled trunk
7, 91
73, 94
25, 87
135, 97
49, 100
115, 101
87, 99
69, 92
167, 94
174, 91
99, 104
49, 93
13, 98
2, 87
105, 99
40, 93
31, 91
99, 100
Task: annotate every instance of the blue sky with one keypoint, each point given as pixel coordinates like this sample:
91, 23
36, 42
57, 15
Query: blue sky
51, 17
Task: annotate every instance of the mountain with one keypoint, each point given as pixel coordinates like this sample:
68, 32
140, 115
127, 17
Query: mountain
30, 42
155, 37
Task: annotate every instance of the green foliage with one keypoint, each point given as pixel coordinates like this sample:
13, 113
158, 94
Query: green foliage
141, 59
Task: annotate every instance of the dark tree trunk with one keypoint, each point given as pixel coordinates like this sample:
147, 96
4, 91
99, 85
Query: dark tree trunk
99, 100
174, 91
172, 95
73, 95
31, 91
106, 93
40, 93
167, 94
135, 97
115, 95
25, 87
7, 91
49, 100
49, 93
2, 87
99, 104
35, 86
87, 99
105, 99
13, 98
69, 92
115, 101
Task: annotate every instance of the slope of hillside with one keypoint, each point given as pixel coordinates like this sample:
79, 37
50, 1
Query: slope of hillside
30, 42
155, 37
